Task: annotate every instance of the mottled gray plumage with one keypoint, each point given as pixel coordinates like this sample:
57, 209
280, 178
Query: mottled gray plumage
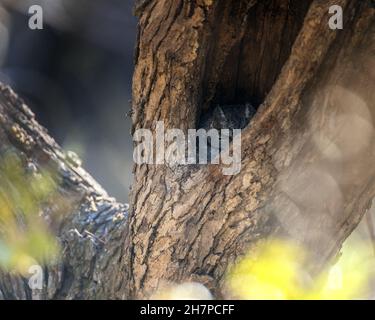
225, 117
228, 117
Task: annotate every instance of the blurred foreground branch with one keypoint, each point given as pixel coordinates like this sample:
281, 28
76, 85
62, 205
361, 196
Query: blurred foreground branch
88, 224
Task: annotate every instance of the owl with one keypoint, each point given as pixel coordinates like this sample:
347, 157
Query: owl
228, 117
225, 117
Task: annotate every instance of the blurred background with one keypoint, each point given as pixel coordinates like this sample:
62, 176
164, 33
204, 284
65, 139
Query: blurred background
76, 76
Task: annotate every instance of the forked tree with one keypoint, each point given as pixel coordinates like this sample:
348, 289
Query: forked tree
307, 155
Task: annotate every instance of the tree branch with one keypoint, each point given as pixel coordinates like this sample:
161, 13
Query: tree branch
91, 229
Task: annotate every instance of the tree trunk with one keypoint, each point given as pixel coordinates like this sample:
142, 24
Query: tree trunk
306, 155
190, 223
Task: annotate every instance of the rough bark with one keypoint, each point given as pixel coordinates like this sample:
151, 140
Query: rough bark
91, 227
191, 222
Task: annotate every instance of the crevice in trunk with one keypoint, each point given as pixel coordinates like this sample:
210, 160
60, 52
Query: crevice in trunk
250, 45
